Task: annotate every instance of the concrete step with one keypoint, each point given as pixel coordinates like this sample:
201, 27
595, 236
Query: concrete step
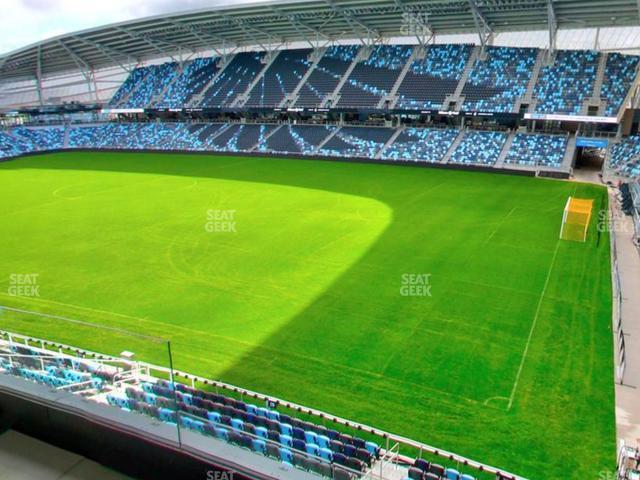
453, 146
292, 98
527, 98
255, 147
392, 96
505, 150
363, 54
196, 99
324, 142
392, 139
243, 97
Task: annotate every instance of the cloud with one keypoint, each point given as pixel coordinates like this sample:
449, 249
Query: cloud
28, 21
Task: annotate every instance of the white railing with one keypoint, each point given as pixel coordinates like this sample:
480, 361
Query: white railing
621, 356
392, 442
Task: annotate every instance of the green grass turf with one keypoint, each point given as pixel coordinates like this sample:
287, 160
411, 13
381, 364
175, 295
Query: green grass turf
303, 301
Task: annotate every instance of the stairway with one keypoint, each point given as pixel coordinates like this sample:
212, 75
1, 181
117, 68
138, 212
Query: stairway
292, 98
395, 135
67, 130
453, 146
569, 154
255, 147
505, 150
125, 99
243, 97
457, 95
324, 142
391, 97
527, 98
157, 98
197, 98
595, 100
362, 55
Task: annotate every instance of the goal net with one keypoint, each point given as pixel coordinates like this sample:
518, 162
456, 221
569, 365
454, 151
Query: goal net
575, 221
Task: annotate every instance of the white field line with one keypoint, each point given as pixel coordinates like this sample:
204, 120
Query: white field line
533, 327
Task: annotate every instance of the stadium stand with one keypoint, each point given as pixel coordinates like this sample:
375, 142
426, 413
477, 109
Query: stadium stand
479, 147
152, 84
233, 80
495, 83
563, 86
625, 156
283, 436
431, 79
421, 145
12, 147
537, 150
356, 142
40, 139
302, 139
619, 75
373, 78
132, 82
195, 76
280, 79
326, 76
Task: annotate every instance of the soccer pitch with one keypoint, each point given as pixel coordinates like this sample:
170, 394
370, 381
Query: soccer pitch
290, 277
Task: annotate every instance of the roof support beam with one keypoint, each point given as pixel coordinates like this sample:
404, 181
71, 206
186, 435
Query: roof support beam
83, 66
371, 33
485, 32
204, 36
39, 75
553, 29
110, 53
156, 42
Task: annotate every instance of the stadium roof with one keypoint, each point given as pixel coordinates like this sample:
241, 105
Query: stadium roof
278, 22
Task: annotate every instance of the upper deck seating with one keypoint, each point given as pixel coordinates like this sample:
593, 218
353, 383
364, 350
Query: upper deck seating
495, 83
430, 79
195, 76
280, 79
564, 86
374, 78
619, 74
233, 80
325, 77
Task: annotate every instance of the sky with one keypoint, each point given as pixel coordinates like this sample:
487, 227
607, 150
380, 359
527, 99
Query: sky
27, 21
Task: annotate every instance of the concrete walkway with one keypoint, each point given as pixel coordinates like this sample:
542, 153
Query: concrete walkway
628, 394
25, 458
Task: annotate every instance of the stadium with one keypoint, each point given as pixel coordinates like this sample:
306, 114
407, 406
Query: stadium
346, 239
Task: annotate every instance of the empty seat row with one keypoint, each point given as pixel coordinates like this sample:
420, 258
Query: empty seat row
374, 78
431, 78
357, 142
497, 81
421, 145
479, 147
537, 150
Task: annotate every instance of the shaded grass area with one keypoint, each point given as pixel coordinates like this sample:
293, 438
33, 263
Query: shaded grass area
508, 361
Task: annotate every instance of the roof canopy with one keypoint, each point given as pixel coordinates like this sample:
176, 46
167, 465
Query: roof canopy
272, 23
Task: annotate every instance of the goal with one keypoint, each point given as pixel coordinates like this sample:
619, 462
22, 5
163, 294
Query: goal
575, 221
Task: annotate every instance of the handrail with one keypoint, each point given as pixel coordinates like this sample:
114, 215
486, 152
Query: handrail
389, 437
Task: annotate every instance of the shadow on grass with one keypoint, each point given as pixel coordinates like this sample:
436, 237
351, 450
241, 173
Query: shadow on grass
361, 350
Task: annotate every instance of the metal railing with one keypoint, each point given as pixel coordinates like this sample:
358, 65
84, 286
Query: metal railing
390, 453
